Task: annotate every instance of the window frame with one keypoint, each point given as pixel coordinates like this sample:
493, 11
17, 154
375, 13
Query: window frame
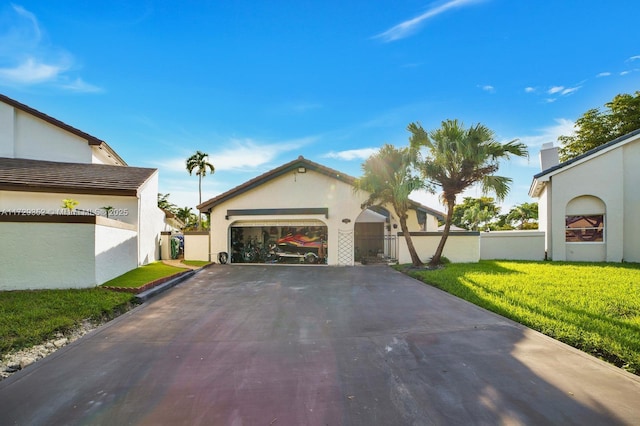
567, 228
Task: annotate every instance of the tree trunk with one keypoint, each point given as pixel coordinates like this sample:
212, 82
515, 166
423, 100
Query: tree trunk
199, 199
415, 259
435, 260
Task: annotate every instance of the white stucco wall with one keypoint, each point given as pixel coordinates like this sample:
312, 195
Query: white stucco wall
47, 256
461, 247
151, 221
631, 163
38, 140
7, 134
601, 177
115, 249
512, 245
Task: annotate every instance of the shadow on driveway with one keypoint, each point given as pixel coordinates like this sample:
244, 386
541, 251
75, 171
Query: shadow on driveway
277, 345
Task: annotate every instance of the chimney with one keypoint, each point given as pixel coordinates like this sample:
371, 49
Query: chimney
549, 156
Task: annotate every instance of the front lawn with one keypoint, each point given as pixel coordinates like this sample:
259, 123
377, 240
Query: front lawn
28, 318
143, 275
593, 307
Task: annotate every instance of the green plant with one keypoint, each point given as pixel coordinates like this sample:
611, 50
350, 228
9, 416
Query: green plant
69, 203
28, 318
107, 210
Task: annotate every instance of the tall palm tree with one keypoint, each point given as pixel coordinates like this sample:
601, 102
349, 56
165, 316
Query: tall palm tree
456, 159
199, 163
389, 179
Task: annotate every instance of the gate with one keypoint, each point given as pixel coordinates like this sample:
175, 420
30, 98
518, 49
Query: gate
345, 248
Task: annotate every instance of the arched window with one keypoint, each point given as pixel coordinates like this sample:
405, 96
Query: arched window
585, 220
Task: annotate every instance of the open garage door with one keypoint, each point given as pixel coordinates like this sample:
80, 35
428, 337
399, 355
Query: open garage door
288, 241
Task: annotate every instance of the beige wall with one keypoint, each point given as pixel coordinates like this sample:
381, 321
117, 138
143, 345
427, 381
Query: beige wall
512, 245
196, 246
461, 247
631, 163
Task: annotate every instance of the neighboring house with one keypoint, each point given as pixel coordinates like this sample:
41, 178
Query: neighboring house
304, 207
42, 162
589, 206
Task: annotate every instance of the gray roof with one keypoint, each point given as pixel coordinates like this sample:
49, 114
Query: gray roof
17, 174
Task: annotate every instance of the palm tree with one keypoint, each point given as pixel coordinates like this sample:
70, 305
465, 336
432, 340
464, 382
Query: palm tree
186, 216
199, 163
456, 159
523, 213
475, 216
389, 179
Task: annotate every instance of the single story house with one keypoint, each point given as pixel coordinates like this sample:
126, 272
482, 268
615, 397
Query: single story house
589, 206
308, 212
115, 227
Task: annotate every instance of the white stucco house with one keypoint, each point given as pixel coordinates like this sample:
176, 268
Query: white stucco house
305, 207
589, 207
42, 162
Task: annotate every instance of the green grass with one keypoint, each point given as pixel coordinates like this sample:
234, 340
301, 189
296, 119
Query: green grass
198, 263
28, 318
593, 307
143, 275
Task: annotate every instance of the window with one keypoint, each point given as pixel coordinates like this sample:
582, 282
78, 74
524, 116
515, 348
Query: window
584, 228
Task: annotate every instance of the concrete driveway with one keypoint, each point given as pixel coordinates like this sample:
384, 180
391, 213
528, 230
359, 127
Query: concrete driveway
273, 345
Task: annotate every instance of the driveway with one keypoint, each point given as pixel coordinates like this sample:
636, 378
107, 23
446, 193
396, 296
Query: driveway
309, 345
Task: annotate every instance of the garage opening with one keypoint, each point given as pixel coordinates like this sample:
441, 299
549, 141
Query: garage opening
279, 242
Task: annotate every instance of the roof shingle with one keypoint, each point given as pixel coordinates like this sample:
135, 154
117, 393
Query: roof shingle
26, 175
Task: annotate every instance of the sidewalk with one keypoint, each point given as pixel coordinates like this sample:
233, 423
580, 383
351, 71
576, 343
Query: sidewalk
178, 264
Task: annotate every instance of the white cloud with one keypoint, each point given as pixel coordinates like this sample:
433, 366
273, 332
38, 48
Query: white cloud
529, 89
547, 134
239, 155
31, 72
570, 90
488, 88
352, 154
30, 17
625, 72
604, 74
633, 58
555, 89
410, 26
79, 85
28, 58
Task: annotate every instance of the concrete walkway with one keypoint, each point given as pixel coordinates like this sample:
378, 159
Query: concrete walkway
279, 345
178, 264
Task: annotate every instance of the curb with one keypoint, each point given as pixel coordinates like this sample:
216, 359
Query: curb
172, 282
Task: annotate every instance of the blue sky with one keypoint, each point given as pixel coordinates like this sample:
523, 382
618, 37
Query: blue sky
256, 84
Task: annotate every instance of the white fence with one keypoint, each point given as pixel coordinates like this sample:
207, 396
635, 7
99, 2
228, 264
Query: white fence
196, 245
461, 247
53, 252
512, 245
